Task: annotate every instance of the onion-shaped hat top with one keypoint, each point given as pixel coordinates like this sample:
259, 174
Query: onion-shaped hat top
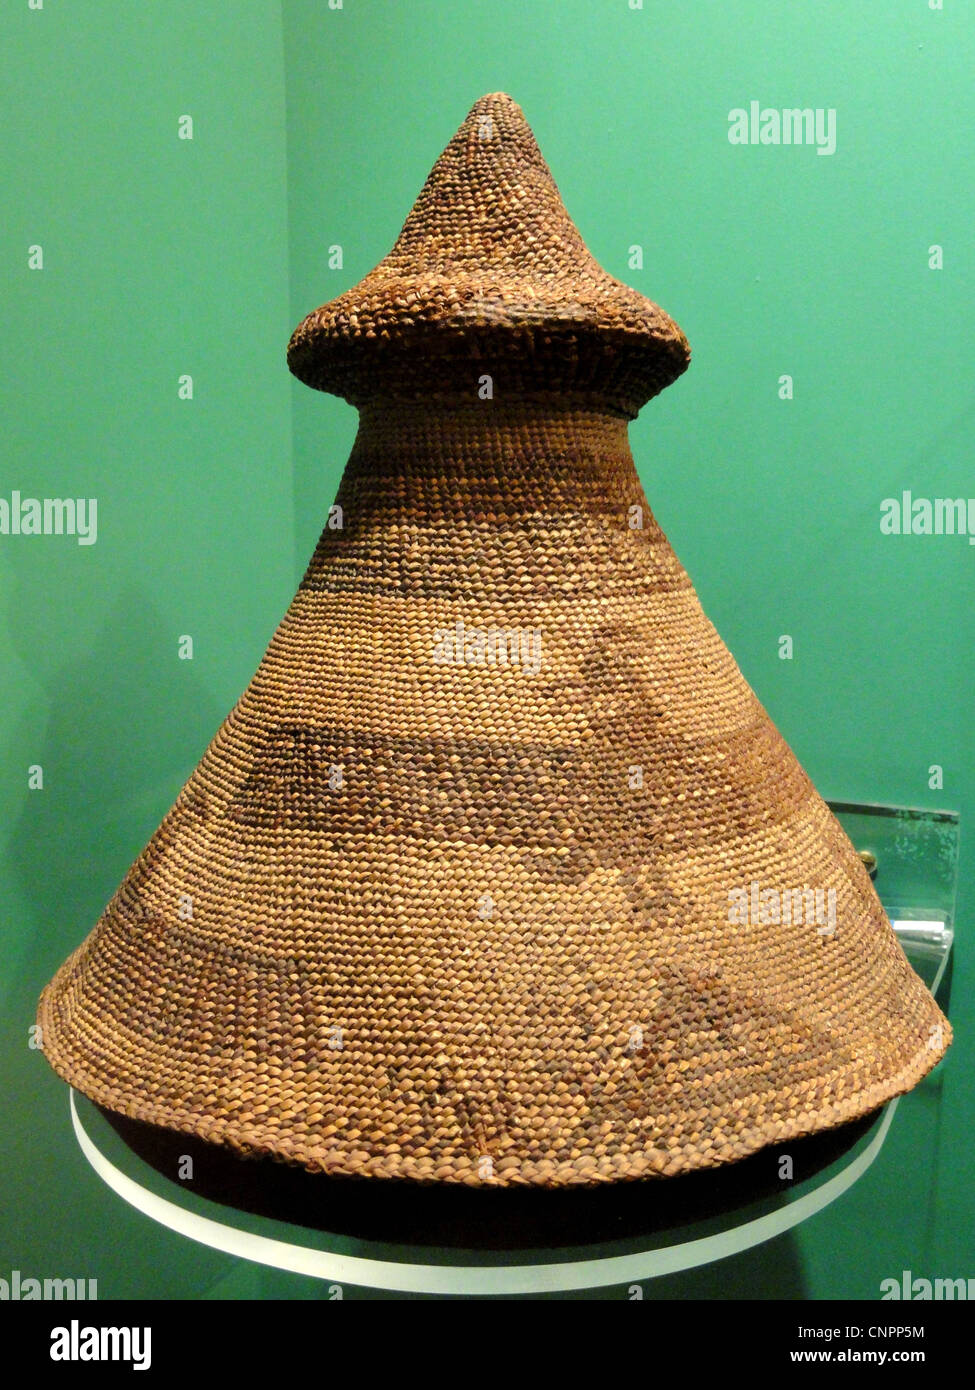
490, 265
498, 872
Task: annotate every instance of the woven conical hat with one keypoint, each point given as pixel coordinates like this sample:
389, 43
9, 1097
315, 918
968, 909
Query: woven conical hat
498, 872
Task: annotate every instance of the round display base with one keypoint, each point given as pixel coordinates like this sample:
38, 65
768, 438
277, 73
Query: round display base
463, 1241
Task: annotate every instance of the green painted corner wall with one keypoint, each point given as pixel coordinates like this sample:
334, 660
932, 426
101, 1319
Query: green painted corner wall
313, 126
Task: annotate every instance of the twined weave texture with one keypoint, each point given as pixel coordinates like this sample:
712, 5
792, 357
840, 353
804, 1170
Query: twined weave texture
460, 902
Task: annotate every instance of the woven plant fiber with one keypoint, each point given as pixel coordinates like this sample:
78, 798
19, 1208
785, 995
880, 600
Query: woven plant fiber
456, 892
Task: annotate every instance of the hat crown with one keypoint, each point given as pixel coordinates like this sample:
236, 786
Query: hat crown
490, 271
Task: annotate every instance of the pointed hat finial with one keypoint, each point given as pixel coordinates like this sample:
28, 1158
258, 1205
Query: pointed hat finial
489, 266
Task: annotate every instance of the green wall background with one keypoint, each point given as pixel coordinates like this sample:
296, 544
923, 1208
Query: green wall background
315, 126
